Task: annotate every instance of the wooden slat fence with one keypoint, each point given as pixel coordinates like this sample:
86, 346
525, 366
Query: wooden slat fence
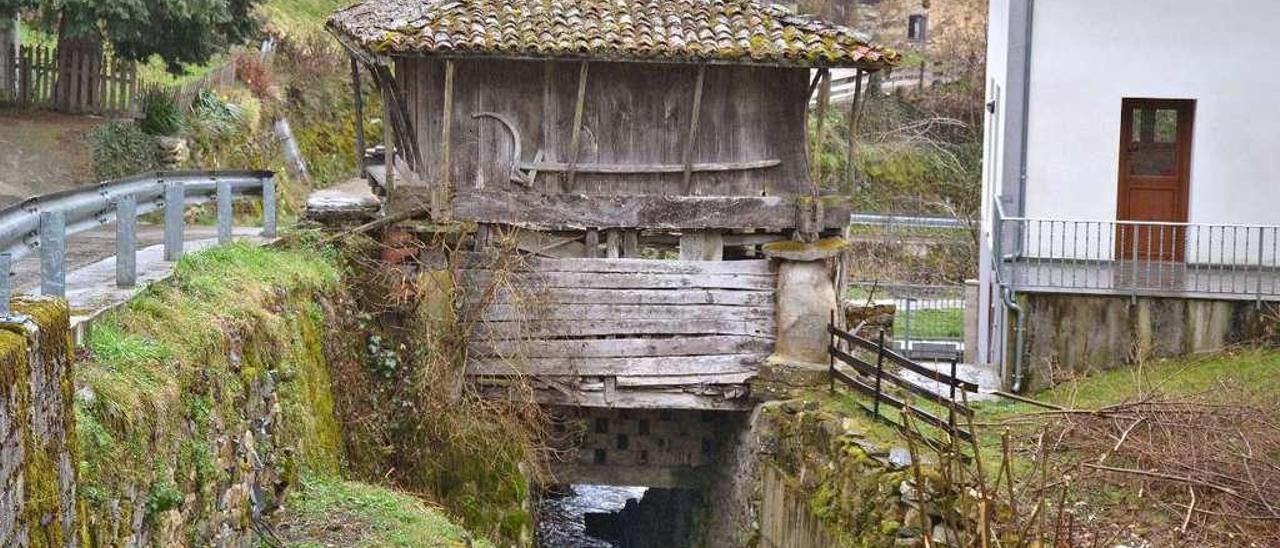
93, 82
872, 380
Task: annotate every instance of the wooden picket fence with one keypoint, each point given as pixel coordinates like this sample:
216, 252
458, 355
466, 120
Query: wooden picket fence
94, 82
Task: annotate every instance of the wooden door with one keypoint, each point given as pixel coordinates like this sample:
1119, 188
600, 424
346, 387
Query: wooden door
1155, 165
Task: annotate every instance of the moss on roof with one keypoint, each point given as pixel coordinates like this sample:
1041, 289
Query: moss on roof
732, 31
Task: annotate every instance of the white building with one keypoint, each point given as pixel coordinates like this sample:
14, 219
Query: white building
1134, 149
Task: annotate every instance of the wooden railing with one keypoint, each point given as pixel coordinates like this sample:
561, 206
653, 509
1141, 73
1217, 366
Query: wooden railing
869, 379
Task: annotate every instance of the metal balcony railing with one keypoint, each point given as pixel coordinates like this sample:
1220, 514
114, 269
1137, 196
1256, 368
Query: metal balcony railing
1236, 261
42, 223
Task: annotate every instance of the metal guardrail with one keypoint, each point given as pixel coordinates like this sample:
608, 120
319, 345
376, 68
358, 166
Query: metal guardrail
42, 223
1139, 258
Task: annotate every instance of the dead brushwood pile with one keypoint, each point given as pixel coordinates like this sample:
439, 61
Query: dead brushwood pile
1190, 471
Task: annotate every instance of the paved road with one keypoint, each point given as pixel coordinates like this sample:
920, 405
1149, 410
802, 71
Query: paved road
91, 246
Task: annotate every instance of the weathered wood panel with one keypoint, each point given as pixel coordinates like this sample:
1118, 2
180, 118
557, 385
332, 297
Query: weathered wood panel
540, 311
692, 296
620, 328
635, 113
635, 331
635, 367
579, 211
620, 348
636, 266
625, 280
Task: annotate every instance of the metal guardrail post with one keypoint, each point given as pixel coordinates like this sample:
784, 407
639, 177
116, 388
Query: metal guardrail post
1136, 240
53, 248
174, 208
269, 207
6, 291
126, 241
224, 211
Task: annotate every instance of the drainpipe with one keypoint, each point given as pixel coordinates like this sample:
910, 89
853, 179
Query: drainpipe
1019, 328
1028, 26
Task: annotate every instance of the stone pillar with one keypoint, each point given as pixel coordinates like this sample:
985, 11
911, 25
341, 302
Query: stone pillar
806, 299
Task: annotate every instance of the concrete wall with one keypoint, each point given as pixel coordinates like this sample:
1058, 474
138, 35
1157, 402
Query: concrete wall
1075, 334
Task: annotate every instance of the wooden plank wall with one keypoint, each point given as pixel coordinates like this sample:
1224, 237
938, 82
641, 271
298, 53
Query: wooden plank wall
635, 113
624, 332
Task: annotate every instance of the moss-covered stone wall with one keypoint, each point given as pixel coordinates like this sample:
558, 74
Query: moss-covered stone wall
832, 479
38, 504
204, 399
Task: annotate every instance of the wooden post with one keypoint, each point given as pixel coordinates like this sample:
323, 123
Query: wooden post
550, 115
388, 146
855, 114
920, 87
592, 242
879, 369
820, 133
444, 186
613, 243
702, 245
358, 94
631, 244
691, 136
579, 110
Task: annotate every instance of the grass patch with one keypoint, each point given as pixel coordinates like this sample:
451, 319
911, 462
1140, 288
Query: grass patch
358, 514
300, 17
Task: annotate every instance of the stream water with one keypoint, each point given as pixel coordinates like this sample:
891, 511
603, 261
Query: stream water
563, 518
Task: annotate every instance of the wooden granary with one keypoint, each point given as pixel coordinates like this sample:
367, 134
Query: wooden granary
615, 133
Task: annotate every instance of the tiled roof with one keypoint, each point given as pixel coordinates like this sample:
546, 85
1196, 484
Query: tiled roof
734, 31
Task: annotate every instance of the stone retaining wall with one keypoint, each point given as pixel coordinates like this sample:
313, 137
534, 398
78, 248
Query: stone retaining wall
38, 505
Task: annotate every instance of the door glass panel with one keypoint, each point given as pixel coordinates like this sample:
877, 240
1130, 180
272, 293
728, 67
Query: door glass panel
1153, 149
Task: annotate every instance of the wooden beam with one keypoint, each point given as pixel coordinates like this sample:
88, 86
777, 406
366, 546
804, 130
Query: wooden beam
444, 188
641, 169
613, 243
550, 115
592, 242
633, 367
691, 135
703, 245
559, 295
631, 244
578, 211
535, 311
357, 94
579, 111
630, 280
760, 267
820, 133
633, 328
623, 348
855, 113
638, 399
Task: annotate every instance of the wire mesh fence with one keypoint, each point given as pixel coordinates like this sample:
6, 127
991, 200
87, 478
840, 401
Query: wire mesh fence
928, 321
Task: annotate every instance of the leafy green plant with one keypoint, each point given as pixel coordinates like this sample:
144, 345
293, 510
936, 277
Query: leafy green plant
213, 117
162, 498
121, 149
160, 115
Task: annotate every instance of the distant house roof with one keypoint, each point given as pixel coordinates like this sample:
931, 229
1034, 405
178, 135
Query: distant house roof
728, 31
